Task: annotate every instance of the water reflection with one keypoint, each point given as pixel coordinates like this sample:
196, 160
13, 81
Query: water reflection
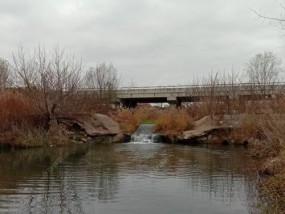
119, 178
211, 173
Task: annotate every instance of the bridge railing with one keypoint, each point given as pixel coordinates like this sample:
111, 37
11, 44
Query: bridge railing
242, 88
193, 86
203, 86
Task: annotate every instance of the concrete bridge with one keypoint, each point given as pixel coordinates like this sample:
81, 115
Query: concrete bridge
131, 96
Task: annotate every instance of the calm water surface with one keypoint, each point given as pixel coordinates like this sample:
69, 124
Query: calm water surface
127, 178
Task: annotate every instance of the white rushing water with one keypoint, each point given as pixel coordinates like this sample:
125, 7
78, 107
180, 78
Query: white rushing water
144, 134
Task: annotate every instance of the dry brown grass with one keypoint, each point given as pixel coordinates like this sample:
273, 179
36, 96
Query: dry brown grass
270, 150
167, 121
130, 119
174, 121
277, 106
272, 192
249, 128
21, 121
84, 102
26, 137
16, 110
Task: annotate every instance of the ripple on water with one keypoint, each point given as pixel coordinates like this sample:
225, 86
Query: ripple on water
127, 178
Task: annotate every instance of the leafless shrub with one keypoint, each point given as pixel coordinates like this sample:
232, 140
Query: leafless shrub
5, 79
49, 76
103, 81
263, 71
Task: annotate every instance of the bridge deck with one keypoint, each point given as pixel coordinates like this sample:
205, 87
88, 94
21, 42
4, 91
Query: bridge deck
177, 94
130, 96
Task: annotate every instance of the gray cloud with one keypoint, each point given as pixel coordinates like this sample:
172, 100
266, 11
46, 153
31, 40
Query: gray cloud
151, 42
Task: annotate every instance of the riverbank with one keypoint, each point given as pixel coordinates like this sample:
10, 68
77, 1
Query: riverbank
67, 129
264, 136
24, 126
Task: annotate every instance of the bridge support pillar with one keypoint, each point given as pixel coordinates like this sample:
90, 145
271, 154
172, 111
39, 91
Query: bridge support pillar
178, 103
174, 103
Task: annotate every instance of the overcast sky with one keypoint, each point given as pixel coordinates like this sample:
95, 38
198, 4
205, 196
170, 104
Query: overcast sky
150, 42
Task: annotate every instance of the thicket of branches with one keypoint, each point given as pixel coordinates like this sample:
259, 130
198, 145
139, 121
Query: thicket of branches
52, 81
103, 83
5, 78
49, 76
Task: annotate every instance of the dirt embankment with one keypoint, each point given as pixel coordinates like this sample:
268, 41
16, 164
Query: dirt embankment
66, 129
213, 130
84, 127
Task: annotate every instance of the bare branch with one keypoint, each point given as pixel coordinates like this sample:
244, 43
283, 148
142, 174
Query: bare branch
267, 17
104, 80
49, 76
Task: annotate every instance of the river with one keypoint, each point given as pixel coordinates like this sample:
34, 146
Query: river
127, 178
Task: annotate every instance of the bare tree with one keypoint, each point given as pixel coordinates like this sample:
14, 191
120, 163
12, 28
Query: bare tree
4, 74
263, 71
231, 82
103, 80
50, 76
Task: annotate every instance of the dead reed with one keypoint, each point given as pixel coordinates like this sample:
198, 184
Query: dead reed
16, 110
174, 121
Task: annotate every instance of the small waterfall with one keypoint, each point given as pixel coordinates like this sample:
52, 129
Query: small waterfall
144, 134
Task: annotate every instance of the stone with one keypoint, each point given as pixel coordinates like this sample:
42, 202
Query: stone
206, 130
121, 138
90, 124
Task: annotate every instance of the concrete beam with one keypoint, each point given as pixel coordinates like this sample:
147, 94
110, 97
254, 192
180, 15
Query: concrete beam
180, 94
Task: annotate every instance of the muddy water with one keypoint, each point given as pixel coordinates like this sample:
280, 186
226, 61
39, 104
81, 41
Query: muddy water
127, 178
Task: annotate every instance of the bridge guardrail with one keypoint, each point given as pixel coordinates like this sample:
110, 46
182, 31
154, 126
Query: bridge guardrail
202, 86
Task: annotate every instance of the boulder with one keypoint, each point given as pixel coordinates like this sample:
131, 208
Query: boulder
121, 138
205, 130
92, 124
